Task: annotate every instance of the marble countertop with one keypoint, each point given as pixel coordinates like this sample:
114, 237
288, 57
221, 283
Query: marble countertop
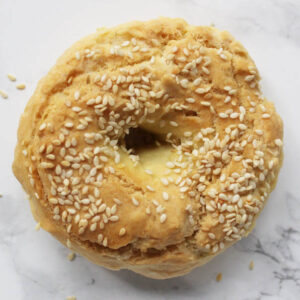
35, 266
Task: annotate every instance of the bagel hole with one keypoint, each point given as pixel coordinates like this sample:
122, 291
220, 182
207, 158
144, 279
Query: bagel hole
139, 139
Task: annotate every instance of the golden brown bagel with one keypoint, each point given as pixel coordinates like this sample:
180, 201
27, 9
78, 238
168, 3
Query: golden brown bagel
149, 146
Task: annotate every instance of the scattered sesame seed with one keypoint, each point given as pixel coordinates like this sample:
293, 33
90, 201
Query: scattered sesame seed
219, 277
38, 226
3, 94
71, 256
251, 265
11, 77
21, 86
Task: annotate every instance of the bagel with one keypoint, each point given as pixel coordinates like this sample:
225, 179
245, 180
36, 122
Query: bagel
150, 147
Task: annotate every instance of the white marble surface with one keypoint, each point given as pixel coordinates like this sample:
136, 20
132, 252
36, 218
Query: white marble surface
34, 266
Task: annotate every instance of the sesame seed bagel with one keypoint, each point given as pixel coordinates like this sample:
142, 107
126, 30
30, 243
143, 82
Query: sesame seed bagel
149, 147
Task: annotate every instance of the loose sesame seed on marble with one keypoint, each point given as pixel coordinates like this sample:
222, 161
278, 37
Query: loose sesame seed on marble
21, 86
3, 94
11, 77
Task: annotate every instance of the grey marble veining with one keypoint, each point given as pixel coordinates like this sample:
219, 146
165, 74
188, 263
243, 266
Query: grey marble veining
34, 266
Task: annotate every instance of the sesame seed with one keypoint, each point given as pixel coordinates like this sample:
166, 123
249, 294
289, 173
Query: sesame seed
164, 181
46, 165
205, 70
21, 86
190, 100
11, 77
205, 103
249, 78
251, 265
234, 115
150, 188
184, 83
114, 218
278, 142
122, 231
174, 49
53, 200
71, 298
223, 115
185, 51
42, 127
221, 219
170, 165
211, 235
223, 56
197, 81
38, 226
135, 202
77, 95
3, 94
219, 277
100, 238
165, 196
200, 91
174, 124
69, 125
69, 244
183, 189
71, 256
163, 218
105, 242
266, 116
148, 171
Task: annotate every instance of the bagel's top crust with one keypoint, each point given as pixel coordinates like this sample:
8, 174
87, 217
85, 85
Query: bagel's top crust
196, 89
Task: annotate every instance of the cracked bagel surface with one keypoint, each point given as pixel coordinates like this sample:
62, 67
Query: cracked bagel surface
149, 146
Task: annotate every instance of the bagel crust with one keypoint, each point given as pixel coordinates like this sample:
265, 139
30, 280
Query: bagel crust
150, 147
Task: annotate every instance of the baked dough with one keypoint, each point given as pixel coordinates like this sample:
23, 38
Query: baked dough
150, 147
